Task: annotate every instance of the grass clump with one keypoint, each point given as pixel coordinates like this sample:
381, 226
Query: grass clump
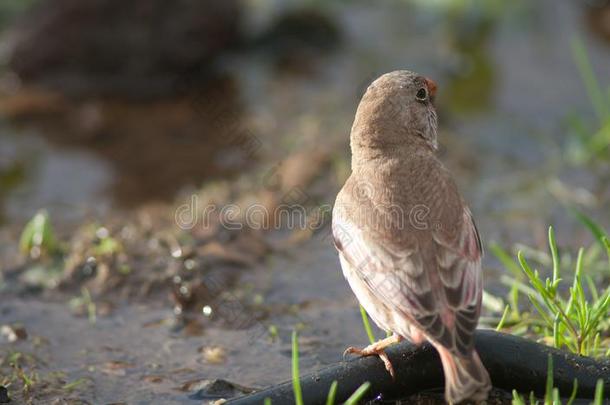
564, 314
38, 238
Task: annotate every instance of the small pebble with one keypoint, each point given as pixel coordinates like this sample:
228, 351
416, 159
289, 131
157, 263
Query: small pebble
4, 398
214, 354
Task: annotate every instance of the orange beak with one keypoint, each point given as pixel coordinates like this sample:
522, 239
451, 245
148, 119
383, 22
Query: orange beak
431, 86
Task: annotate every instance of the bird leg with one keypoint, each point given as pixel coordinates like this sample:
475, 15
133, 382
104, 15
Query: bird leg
377, 349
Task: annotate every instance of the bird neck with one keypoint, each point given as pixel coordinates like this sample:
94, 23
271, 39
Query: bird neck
371, 153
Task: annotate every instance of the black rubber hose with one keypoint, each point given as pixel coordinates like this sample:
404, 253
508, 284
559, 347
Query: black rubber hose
513, 363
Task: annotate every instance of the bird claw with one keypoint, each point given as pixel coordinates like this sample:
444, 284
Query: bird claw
373, 351
351, 350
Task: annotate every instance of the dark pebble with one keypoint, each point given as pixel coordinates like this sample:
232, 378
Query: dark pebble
217, 389
4, 399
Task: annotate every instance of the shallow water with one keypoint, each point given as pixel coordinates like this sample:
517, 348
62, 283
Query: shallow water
507, 82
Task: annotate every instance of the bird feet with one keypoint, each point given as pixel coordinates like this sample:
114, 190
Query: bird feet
377, 349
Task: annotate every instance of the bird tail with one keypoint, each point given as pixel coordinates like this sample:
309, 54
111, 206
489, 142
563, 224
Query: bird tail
465, 377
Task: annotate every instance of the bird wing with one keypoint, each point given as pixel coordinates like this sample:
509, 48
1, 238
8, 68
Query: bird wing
394, 275
458, 258
445, 307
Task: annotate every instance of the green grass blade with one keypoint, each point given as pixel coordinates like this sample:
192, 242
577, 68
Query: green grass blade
555, 256
332, 393
596, 230
596, 342
600, 140
543, 314
517, 399
556, 398
503, 319
519, 287
581, 298
506, 260
514, 301
606, 243
492, 303
599, 392
592, 288
587, 75
557, 331
532, 275
267, 401
296, 382
358, 394
74, 384
367, 325
574, 391
600, 311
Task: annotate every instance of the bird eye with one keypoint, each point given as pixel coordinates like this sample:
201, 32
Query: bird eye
422, 94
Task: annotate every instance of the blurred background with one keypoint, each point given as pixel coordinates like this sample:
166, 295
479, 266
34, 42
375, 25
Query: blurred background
128, 128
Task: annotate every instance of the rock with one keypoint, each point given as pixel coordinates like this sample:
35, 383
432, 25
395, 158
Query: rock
109, 46
215, 389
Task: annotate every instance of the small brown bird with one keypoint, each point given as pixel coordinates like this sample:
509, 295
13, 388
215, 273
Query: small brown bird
407, 242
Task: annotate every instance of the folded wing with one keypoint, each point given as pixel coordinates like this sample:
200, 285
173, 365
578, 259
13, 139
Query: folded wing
441, 293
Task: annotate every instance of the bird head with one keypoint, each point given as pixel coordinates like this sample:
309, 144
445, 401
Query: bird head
396, 110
